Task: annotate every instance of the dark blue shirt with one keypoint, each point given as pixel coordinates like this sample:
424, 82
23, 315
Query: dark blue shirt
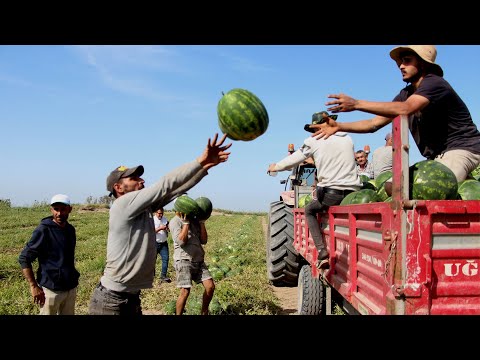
445, 123
54, 247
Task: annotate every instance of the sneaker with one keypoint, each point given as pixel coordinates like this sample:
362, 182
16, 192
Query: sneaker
165, 280
322, 259
323, 254
322, 264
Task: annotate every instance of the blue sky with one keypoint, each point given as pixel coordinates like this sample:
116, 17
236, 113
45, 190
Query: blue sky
71, 114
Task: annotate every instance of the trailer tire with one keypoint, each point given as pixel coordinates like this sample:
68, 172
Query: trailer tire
282, 259
311, 293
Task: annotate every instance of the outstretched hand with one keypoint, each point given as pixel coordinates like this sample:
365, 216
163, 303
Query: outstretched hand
324, 130
214, 153
344, 103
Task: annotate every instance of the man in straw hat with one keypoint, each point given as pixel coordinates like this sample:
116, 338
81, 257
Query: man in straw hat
438, 119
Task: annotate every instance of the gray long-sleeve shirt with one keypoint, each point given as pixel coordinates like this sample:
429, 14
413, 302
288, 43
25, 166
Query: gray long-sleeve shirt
131, 251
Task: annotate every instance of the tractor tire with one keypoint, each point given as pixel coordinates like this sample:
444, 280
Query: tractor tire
282, 258
311, 293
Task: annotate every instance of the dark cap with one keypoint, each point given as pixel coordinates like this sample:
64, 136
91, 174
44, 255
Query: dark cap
319, 118
122, 172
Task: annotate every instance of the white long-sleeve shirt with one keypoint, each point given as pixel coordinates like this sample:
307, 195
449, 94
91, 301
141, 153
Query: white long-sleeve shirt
334, 159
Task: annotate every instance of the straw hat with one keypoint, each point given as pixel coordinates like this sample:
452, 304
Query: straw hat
427, 53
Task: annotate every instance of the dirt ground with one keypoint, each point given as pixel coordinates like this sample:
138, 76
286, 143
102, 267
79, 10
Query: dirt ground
288, 299
287, 295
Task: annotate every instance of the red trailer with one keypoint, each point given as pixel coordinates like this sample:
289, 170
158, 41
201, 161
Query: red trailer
404, 257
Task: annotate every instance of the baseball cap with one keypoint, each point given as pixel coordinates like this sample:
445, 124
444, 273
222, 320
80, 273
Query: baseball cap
60, 198
319, 118
122, 172
388, 136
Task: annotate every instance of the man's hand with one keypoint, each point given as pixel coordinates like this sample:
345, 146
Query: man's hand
38, 295
329, 127
271, 168
344, 103
214, 153
183, 217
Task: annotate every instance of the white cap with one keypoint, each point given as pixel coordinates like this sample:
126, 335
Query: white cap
60, 198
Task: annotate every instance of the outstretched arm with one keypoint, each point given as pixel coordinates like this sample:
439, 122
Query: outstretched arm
214, 153
385, 113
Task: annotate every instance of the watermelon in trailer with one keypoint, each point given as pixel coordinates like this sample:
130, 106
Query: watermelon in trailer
469, 190
431, 180
362, 196
304, 200
241, 115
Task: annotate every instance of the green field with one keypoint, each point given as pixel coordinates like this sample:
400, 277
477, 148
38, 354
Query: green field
235, 253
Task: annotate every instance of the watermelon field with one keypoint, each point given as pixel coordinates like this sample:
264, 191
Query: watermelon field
235, 253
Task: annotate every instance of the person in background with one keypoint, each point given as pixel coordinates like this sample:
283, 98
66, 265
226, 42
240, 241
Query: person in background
161, 236
364, 167
189, 235
366, 149
383, 157
53, 243
336, 177
131, 253
439, 121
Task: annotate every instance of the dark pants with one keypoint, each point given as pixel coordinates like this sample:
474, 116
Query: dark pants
162, 249
109, 302
321, 204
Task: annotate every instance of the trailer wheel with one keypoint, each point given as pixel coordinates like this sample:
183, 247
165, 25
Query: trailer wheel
311, 293
282, 258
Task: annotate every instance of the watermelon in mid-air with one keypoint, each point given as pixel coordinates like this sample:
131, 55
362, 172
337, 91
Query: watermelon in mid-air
241, 115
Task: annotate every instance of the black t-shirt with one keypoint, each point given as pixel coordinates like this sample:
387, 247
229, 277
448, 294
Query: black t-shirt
445, 123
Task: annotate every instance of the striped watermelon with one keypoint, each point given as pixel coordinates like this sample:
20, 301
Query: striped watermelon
362, 196
431, 180
186, 205
304, 200
241, 115
205, 206
469, 190
382, 178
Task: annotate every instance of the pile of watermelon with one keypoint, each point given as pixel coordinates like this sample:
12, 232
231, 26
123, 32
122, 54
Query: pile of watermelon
429, 180
241, 115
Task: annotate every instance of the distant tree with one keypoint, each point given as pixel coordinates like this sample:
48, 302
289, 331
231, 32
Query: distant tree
5, 203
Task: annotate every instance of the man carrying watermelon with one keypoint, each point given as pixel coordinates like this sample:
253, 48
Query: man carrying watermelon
336, 176
131, 251
438, 119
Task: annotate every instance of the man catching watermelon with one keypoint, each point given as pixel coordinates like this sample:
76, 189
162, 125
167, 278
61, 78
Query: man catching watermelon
131, 252
438, 119
336, 174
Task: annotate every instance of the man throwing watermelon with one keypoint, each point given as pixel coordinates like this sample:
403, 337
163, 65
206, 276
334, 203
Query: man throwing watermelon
438, 119
131, 252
